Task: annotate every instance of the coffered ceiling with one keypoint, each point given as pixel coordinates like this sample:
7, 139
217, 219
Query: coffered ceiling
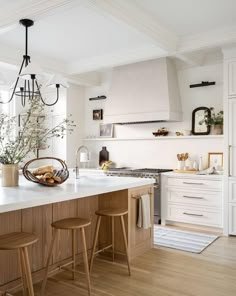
81, 36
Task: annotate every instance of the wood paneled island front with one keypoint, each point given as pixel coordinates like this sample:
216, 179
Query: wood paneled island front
32, 208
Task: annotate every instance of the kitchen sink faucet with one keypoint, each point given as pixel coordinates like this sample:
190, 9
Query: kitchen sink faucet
86, 159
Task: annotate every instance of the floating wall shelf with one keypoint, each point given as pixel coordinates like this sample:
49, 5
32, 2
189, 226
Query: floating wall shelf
158, 138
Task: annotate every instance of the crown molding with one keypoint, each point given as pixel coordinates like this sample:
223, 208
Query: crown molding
32, 10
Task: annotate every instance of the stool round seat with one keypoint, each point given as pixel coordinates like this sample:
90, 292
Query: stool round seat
112, 212
17, 240
20, 241
71, 223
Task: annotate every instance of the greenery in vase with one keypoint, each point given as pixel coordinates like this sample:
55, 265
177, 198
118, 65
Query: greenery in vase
214, 118
16, 143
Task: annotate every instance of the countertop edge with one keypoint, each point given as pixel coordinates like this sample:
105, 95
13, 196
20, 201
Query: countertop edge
65, 196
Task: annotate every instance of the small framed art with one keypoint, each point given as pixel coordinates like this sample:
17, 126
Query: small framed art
106, 130
98, 114
215, 159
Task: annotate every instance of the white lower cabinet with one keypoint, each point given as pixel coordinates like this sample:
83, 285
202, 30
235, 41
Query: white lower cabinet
232, 206
232, 218
196, 200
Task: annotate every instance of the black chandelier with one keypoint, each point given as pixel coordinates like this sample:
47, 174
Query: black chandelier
26, 85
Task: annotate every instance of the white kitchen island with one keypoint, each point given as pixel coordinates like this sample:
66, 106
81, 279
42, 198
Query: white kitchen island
32, 207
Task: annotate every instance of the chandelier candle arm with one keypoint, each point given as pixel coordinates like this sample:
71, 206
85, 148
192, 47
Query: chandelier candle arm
41, 97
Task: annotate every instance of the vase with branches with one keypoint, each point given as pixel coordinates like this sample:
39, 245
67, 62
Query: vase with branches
16, 143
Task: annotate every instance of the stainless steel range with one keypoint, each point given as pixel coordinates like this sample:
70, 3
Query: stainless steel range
144, 173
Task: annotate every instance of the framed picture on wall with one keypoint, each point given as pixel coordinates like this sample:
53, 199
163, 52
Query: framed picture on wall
215, 159
98, 114
106, 130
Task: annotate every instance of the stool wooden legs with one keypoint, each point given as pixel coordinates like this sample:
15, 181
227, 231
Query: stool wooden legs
86, 267
113, 240
22, 268
26, 272
95, 241
113, 237
48, 262
125, 241
73, 253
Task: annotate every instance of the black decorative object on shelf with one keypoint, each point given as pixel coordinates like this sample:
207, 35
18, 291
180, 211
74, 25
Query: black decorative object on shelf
97, 98
204, 83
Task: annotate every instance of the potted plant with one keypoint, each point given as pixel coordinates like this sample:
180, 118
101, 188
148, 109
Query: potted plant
215, 121
16, 143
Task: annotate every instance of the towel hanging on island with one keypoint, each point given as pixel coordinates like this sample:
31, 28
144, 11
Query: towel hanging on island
144, 213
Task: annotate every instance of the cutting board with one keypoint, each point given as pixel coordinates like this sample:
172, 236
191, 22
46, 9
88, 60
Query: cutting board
186, 171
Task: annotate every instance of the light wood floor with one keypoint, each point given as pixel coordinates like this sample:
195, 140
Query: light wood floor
159, 272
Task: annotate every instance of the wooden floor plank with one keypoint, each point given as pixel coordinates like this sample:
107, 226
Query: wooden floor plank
160, 271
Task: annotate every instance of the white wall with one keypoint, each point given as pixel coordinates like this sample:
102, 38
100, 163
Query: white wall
75, 108
159, 153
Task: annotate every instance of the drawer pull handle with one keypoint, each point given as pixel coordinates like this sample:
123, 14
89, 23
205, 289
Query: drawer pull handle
190, 214
192, 183
196, 197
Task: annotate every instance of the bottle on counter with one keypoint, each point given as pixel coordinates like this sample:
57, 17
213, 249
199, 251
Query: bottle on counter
200, 164
103, 155
195, 165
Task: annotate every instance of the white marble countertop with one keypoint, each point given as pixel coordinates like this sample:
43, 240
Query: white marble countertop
193, 176
29, 194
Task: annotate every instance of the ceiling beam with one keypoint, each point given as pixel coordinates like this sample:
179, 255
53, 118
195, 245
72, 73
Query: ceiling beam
190, 60
210, 39
134, 16
114, 59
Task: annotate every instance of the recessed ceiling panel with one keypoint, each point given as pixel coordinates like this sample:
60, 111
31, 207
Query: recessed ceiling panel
191, 16
70, 34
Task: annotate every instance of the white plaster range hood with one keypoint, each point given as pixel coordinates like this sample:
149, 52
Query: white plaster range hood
144, 92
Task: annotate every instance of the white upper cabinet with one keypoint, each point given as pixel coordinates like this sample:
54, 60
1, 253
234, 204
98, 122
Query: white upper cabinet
232, 78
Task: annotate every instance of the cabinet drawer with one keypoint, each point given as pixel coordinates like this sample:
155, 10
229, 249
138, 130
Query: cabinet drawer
201, 198
232, 191
198, 215
232, 218
195, 183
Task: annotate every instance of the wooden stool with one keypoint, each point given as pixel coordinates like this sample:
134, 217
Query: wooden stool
20, 241
70, 224
110, 213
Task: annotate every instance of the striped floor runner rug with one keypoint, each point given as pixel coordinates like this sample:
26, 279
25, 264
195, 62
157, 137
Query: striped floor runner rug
194, 242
